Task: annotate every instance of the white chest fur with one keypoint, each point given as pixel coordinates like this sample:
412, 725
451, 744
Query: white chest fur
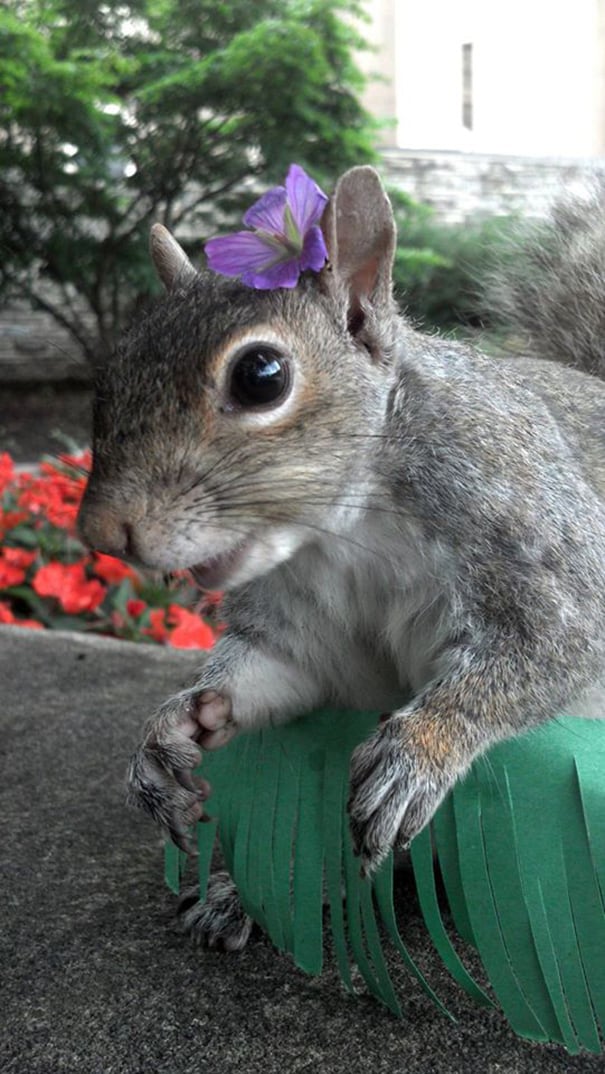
369, 609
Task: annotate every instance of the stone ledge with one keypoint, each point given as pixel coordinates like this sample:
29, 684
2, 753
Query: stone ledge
96, 978
57, 640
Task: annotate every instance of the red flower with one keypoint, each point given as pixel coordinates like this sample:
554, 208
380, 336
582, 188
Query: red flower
190, 632
57, 501
7, 471
68, 583
52, 496
10, 519
6, 614
19, 557
135, 607
180, 628
158, 629
13, 565
10, 575
113, 571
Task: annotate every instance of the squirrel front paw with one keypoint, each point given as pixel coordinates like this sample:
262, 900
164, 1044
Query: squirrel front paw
218, 921
394, 792
160, 775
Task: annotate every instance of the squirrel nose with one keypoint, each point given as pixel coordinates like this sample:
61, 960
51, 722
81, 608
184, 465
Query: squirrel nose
103, 529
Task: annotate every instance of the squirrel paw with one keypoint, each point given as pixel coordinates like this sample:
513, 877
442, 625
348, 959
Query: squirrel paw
220, 920
160, 775
393, 794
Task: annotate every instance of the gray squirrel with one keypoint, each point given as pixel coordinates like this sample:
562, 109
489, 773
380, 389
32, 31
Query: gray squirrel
390, 514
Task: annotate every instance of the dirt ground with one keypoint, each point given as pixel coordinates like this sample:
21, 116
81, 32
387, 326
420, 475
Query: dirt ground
43, 419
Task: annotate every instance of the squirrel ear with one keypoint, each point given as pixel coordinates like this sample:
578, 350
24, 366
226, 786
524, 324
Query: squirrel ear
171, 262
360, 235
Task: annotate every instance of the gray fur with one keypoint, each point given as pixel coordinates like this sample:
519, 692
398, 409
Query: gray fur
550, 282
419, 521
218, 921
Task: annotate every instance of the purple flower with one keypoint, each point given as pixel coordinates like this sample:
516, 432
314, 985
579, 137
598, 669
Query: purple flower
286, 238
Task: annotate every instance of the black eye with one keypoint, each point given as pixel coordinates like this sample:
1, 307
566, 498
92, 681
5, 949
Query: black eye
260, 377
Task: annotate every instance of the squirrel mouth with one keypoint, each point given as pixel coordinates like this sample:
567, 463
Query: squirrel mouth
213, 573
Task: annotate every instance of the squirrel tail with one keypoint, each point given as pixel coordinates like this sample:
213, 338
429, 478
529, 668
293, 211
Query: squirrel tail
551, 286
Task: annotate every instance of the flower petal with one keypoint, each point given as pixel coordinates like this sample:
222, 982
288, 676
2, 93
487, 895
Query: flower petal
314, 253
280, 274
268, 212
307, 202
286, 239
240, 253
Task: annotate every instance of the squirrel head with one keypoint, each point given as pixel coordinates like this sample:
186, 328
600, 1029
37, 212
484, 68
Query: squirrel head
234, 425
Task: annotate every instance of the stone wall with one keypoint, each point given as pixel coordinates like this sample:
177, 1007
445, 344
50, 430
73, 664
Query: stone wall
458, 185
35, 349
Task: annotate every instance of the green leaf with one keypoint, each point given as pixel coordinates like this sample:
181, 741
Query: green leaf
121, 595
43, 609
25, 536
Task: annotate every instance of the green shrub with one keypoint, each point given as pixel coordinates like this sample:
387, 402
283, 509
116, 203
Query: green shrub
440, 268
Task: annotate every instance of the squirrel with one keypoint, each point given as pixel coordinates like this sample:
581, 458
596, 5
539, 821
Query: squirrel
389, 514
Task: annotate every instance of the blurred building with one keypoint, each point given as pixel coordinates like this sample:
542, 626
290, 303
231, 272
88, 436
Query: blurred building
520, 77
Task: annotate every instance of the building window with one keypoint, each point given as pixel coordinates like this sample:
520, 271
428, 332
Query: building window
467, 86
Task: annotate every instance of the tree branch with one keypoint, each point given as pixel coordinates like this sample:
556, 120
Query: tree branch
81, 337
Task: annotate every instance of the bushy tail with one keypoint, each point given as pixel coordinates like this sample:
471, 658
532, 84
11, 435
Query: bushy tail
552, 287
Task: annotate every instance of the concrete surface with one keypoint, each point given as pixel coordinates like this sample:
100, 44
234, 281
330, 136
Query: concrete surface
96, 977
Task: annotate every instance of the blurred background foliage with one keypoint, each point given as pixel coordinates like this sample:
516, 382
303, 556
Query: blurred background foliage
441, 270
114, 115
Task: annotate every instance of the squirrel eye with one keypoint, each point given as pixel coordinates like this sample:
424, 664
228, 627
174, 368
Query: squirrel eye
260, 377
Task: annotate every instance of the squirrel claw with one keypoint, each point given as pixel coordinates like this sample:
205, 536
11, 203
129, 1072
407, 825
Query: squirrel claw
179, 824
393, 796
181, 839
184, 777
